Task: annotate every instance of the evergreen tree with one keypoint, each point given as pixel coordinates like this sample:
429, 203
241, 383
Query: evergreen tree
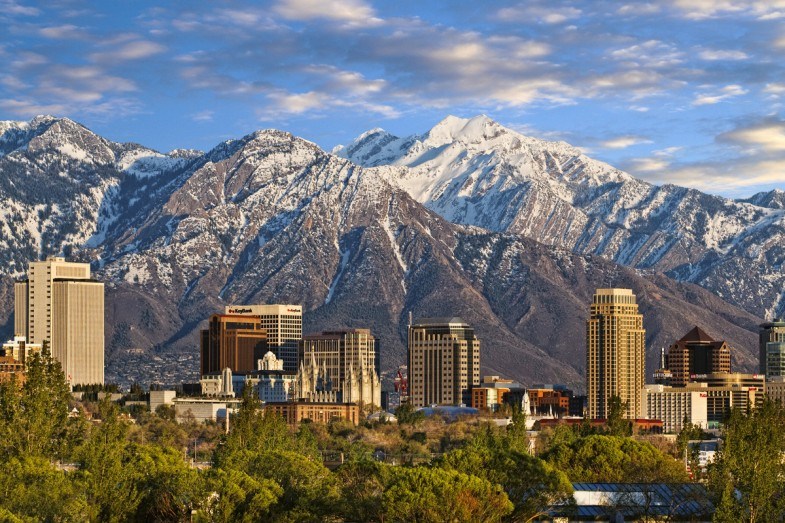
747, 479
34, 415
109, 482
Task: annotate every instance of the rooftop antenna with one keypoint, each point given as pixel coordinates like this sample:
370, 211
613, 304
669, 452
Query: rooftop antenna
662, 357
410, 318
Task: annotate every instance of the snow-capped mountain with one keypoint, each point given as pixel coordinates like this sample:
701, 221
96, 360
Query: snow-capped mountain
477, 172
273, 218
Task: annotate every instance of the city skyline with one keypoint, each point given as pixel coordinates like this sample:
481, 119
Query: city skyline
672, 92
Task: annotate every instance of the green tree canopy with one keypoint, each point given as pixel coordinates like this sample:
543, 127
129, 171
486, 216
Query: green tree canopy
599, 458
34, 415
531, 484
435, 495
747, 479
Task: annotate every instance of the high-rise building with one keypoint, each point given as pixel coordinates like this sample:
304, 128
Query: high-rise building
444, 362
61, 305
284, 326
616, 352
340, 366
772, 348
696, 353
232, 341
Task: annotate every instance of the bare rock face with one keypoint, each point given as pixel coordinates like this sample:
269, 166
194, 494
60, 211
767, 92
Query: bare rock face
477, 172
273, 218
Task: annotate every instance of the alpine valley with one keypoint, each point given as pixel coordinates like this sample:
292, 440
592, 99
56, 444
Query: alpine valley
470, 219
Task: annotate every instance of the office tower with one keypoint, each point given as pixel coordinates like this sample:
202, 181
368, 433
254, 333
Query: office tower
696, 353
340, 366
60, 304
444, 362
615, 355
232, 341
284, 326
772, 348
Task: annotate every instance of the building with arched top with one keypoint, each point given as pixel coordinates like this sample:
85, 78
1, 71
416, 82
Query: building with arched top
615, 353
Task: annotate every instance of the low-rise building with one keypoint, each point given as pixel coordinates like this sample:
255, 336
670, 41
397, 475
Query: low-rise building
296, 411
489, 395
728, 390
775, 389
204, 409
673, 405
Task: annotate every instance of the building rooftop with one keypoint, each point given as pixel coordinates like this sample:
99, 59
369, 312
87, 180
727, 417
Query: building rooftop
440, 321
697, 335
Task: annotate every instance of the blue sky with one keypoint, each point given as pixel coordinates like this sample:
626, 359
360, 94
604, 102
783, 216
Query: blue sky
682, 91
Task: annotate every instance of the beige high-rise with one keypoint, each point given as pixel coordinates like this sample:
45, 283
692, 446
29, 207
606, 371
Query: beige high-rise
616, 352
60, 304
444, 362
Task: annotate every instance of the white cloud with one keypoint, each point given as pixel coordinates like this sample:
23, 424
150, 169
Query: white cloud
774, 88
729, 91
704, 9
734, 177
651, 53
647, 165
203, 116
62, 32
622, 142
14, 8
130, 51
767, 136
351, 12
724, 55
546, 15
30, 108
667, 152
638, 9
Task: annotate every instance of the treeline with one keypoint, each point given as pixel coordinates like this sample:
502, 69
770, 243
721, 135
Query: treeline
60, 467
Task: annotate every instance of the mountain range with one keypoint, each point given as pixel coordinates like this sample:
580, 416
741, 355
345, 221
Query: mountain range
470, 219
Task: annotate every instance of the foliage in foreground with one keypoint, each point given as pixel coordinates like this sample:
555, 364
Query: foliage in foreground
266, 471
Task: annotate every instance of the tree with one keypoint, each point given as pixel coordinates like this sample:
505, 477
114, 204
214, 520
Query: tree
362, 485
236, 496
31, 487
168, 488
618, 425
309, 489
408, 415
613, 459
253, 429
531, 484
34, 415
435, 495
747, 478
109, 483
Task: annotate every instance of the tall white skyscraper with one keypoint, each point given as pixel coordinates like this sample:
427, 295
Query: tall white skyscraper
60, 304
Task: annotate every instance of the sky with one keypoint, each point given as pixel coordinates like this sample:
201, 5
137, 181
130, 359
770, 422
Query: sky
688, 92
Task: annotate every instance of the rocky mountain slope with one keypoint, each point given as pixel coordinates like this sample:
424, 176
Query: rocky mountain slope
273, 218
477, 172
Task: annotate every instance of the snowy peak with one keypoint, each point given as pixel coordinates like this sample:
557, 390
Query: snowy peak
16, 135
467, 131
372, 148
774, 199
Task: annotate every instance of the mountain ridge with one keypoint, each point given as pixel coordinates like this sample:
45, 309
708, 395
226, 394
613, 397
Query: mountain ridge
272, 218
495, 178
